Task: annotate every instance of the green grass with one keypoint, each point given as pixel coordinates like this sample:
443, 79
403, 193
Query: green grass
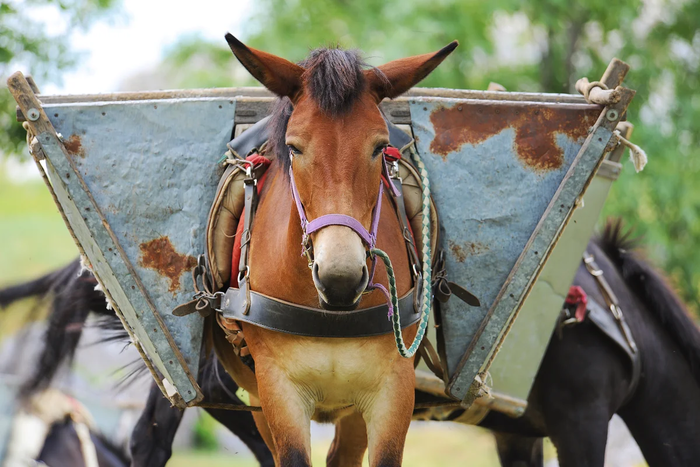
428, 444
33, 238
33, 241
431, 444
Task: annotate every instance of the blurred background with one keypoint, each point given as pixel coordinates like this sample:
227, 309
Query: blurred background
89, 46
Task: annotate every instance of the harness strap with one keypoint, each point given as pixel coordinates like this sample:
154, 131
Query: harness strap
431, 358
609, 297
251, 204
279, 315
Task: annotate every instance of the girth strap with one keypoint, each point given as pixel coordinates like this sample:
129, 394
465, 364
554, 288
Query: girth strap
279, 315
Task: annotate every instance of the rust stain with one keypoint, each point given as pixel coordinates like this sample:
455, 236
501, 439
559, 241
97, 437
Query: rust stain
462, 251
160, 255
458, 252
74, 146
535, 128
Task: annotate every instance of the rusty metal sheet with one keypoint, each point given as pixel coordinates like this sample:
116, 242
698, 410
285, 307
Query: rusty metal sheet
494, 169
136, 185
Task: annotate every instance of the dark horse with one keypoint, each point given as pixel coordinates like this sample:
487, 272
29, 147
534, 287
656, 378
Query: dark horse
583, 380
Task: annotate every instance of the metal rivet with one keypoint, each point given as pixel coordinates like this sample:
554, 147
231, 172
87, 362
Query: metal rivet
612, 115
33, 114
226, 303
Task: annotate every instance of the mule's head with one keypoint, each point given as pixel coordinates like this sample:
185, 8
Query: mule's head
333, 142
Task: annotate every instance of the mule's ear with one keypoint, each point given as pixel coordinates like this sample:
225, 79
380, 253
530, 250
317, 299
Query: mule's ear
401, 75
280, 76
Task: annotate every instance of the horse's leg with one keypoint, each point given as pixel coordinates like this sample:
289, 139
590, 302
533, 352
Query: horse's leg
288, 416
152, 439
582, 381
350, 442
519, 451
388, 418
242, 424
217, 385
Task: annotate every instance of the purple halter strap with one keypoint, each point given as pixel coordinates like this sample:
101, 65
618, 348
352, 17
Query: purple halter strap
369, 237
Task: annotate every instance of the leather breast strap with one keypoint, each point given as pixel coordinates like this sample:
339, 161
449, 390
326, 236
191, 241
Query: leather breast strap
279, 315
611, 321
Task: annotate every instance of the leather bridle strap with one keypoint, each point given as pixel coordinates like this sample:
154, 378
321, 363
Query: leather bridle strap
309, 227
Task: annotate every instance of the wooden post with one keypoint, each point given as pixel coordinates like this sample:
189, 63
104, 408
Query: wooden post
615, 73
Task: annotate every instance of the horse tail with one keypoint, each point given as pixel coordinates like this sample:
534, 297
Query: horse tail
41, 287
653, 289
74, 298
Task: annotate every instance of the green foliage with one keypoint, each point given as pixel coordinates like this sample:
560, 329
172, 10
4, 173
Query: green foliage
25, 40
205, 433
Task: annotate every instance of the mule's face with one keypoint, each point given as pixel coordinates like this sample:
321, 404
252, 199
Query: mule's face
337, 163
335, 136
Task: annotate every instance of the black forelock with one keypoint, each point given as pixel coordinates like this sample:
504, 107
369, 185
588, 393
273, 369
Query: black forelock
333, 78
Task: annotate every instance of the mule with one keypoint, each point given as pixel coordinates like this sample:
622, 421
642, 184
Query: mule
328, 136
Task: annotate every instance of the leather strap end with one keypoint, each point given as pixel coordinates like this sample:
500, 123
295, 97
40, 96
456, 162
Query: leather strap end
186, 308
464, 295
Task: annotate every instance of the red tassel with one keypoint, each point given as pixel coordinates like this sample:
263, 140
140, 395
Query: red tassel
577, 296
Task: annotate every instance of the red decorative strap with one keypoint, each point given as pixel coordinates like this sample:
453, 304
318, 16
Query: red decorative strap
392, 154
577, 296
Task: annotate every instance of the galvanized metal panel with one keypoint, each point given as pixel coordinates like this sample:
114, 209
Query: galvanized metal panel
518, 360
144, 174
494, 167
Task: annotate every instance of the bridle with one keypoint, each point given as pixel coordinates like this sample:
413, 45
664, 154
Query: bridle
369, 237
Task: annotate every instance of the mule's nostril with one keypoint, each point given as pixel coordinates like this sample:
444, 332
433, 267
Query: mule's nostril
339, 288
365, 277
317, 280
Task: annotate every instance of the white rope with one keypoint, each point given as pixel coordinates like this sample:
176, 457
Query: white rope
637, 155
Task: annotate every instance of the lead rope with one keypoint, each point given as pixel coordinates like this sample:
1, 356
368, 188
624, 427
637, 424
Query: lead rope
426, 302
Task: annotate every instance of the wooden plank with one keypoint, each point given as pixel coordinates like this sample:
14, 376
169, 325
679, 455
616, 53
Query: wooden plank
397, 107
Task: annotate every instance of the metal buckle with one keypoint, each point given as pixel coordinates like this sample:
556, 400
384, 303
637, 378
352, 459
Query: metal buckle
243, 274
394, 169
416, 271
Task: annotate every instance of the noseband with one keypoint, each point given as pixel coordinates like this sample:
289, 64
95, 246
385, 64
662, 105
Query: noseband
368, 237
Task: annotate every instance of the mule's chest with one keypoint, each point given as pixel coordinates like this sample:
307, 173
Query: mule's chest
336, 371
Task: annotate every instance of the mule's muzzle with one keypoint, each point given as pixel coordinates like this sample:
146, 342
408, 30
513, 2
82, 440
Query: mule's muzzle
340, 290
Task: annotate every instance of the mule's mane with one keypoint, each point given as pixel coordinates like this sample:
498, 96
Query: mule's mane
333, 78
652, 288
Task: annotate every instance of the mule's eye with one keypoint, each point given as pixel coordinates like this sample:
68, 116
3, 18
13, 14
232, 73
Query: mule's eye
294, 150
378, 150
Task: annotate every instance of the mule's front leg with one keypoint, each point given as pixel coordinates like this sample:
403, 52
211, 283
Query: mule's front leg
288, 414
388, 417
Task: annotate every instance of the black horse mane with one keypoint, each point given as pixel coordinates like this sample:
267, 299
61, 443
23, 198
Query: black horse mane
653, 289
333, 78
